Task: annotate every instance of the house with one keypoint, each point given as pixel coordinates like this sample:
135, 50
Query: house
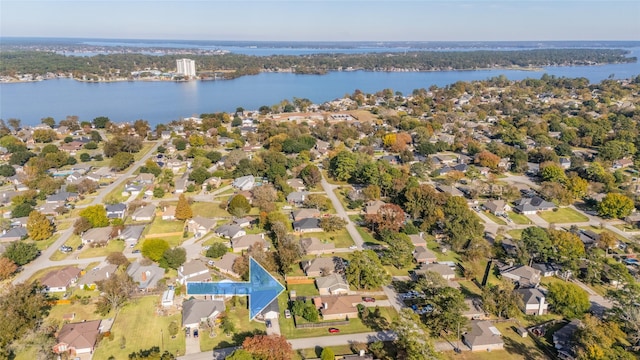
338, 307
307, 225
296, 184
451, 190
61, 196
589, 238
196, 311
132, 190
59, 280
51, 208
145, 213
443, 269
225, 264
546, 269
497, 207
181, 184
509, 246
78, 338
322, 266
230, 231
334, 284
116, 211
533, 302
244, 183
422, 255
622, 163
525, 276
372, 207
565, 163
165, 135
92, 277
474, 309
146, 276
297, 197
199, 225
244, 242
483, 337
97, 235
131, 234
244, 222
418, 240
314, 246
14, 234
145, 179
528, 206
169, 213
563, 340
194, 270
305, 214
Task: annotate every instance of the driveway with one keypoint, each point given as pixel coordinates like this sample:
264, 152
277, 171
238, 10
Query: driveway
393, 297
351, 228
275, 327
193, 343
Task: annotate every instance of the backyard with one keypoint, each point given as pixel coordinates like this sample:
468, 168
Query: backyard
340, 238
112, 246
208, 210
562, 216
239, 316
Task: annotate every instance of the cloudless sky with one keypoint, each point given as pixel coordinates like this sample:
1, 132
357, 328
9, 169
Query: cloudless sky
328, 20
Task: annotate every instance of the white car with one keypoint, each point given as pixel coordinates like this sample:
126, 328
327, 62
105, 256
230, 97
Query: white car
353, 247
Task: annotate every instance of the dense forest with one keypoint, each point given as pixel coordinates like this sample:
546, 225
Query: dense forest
234, 65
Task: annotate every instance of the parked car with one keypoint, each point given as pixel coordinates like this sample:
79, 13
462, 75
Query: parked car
334, 330
268, 323
368, 299
195, 333
136, 251
287, 314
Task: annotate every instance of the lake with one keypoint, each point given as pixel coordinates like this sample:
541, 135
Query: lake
160, 102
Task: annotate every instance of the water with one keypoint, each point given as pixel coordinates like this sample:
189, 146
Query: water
160, 102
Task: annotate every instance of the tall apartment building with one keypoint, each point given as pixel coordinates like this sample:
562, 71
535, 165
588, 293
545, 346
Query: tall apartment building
186, 67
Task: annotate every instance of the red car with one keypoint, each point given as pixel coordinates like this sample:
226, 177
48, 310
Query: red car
334, 330
368, 299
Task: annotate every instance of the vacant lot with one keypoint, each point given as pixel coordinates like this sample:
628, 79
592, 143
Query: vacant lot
562, 216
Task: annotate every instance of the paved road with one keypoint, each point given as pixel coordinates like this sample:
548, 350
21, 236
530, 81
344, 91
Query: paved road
598, 303
351, 228
393, 297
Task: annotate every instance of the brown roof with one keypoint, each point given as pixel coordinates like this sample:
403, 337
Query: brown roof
82, 335
373, 206
60, 277
338, 304
483, 333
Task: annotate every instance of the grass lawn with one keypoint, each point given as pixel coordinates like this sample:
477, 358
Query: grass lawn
340, 238
494, 218
208, 210
304, 289
142, 328
518, 218
159, 226
563, 215
339, 194
240, 317
146, 146
447, 256
315, 352
44, 244
598, 230
394, 271
515, 234
116, 194
112, 246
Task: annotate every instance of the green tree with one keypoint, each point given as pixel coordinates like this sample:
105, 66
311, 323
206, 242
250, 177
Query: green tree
174, 258
217, 250
460, 223
44, 135
101, 122
183, 209
96, 215
311, 175
501, 300
399, 253
413, 341
343, 165
239, 206
550, 171
121, 161
173, 328
626, 310
21, 252
84, 157
21, 210
23, 307
38, 226
568, 299
7, 170
114, 292
327, 354
240, 354
615, 205
49, 121
154, 248
365, 271
599, 339
199, 175
537, 243
158, 192
332, 223
227, 325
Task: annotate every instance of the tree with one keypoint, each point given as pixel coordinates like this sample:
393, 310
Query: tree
268, 347
141, 127
21, 252
343, 165
174, 258
615, 205
501, 300
568, 299
154, 248
114, 292
183, 209
96, 215
537, 243
38, 226
117, 258
306, 310
460, 223
550, 171
240, 354
87, 186
7, 170
239, 206
332, 223
85, 157
311, 175
389, 217
626, 310
199, 175
7, 268
196, 140
121, 161
447, 310
217, 250
173, 328
607, 240
81, 225
158, 192
568, 247
227, 325
21, 210
599, 340
49, 121
264, 197
101, 122
365, 271
44, 135
317, 201
488, 159
327, 354
23, 307
288, 253
399, 253
413, 337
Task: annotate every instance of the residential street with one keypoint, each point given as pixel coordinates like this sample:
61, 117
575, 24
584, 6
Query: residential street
351, 228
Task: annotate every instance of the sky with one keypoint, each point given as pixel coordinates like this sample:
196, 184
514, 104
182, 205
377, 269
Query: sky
324, 20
